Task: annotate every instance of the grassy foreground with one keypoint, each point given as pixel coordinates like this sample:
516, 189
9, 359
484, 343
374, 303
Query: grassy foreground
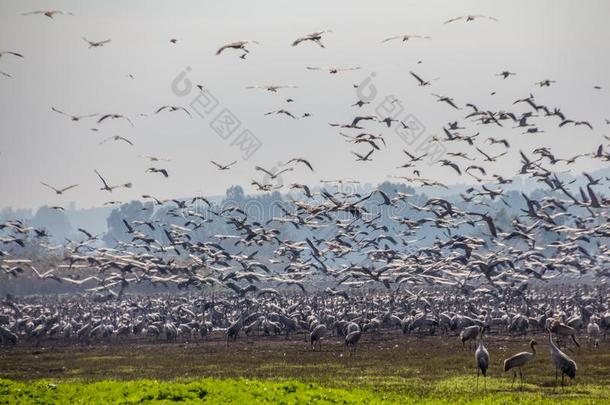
210, 390
386, 368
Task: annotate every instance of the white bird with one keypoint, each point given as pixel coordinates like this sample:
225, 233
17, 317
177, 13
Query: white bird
236, 45
81, 281
405, 37
314, 37
46, 275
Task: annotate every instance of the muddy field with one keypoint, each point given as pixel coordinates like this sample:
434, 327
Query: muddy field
383, 361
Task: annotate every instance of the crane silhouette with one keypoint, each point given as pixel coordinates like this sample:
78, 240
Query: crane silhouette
481, 355
518, 361
562, 362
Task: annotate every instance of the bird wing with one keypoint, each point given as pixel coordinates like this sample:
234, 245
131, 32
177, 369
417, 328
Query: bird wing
264, 170
51, 187
391, 38
385, 197
130, 122
13, 53
453, 19
186, 111
101, 178
85, 232
419, 79
60, 112
305, 162
126, 140
299, 40
68, 188
483, 153
222, 48
289, 169
103, 117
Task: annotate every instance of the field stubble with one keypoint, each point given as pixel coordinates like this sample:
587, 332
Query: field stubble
387, 365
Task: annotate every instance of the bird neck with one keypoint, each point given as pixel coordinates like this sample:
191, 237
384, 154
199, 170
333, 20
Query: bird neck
551, 341
533, 346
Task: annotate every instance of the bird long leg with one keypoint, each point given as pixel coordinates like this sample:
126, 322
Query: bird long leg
555, 386
514, 377
521, 377
477, 379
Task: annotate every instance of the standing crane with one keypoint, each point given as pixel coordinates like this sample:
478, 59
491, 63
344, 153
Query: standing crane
351, 340
561, 329
469, 333
562, 362
316, 335
519, 360
481, 356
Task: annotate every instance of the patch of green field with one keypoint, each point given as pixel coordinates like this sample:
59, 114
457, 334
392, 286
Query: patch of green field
207, 390
239, 391
388, 367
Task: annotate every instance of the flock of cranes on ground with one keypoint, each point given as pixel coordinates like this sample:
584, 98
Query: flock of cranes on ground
328, 315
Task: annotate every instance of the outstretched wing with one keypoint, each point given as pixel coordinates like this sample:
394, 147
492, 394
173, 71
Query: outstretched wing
101, 178
68, 188
453, 19
264, 170
49, 186
391, 38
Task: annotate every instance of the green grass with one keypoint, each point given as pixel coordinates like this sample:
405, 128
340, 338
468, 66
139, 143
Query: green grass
208, 390
450, 391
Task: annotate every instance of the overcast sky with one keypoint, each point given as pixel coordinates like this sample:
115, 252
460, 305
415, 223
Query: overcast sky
565, 41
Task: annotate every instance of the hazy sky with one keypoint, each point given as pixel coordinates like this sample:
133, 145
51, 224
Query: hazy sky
562, 40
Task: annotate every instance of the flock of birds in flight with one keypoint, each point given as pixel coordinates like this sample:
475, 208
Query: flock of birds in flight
342, 227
